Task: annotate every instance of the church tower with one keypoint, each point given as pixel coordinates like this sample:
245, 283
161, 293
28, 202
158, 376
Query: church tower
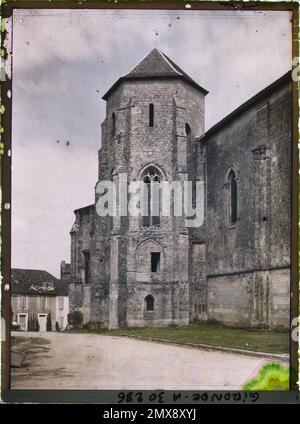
167, 266
153, 116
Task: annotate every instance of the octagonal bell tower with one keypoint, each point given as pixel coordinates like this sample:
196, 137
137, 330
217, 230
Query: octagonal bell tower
153, 116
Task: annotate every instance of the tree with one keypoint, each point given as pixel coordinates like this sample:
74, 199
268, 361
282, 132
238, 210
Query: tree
33, 323
36, 323
36, 326
49, 323
75, 318
29, 325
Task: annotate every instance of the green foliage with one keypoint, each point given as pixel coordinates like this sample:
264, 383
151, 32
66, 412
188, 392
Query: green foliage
272, 376
205, 333
49, 323
36, 324
57, 326
75, 318
29, 323
33, 323
216, 335
15, 327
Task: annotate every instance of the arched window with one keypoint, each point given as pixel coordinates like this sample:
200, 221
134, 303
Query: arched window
188, 131
151, 115
151, 202
113, 124
149, 258
232, 197
149, 303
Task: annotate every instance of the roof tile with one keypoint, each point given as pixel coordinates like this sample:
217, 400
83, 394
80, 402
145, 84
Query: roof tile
156, 65
35, 281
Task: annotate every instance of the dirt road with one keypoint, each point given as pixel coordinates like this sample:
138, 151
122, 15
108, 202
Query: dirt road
90, 361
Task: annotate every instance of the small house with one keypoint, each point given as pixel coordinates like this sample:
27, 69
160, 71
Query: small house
39, 301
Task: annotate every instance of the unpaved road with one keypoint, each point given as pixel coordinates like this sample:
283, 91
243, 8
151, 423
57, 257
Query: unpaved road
90, 361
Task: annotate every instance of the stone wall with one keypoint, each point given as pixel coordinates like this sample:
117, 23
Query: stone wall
236, 273
248, 262
166, 146
89, 293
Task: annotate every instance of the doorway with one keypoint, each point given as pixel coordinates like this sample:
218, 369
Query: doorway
23, 322
42, 322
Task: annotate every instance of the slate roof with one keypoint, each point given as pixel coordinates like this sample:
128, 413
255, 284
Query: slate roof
156, 65
35, 281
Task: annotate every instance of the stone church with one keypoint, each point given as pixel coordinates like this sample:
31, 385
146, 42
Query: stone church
234, 268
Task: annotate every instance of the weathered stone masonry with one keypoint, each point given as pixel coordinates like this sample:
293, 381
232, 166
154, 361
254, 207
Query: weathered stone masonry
233, 269
247, 265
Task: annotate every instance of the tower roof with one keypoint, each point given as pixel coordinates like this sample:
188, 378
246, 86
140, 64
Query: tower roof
155, 65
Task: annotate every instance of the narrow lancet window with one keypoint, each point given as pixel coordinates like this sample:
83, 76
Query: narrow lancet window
188, 132
151, 115
152, 197
232, 198
113, 124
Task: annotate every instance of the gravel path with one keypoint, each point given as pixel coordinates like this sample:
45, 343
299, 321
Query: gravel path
90, 361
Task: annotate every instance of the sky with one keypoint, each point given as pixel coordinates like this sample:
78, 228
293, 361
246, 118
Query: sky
65, 60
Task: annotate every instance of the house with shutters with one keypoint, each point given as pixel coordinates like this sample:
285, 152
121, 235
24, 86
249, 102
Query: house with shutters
38, 298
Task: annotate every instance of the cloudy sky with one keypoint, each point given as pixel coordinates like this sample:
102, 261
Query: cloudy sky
64, 61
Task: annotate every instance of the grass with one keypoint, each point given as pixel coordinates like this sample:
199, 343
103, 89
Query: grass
272, 376
210, 334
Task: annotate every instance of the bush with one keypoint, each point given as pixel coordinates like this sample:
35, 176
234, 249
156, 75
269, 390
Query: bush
49, 323
57, 326
15, 327
33, 323
92, 325
75, 318
272, 376
36, 324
